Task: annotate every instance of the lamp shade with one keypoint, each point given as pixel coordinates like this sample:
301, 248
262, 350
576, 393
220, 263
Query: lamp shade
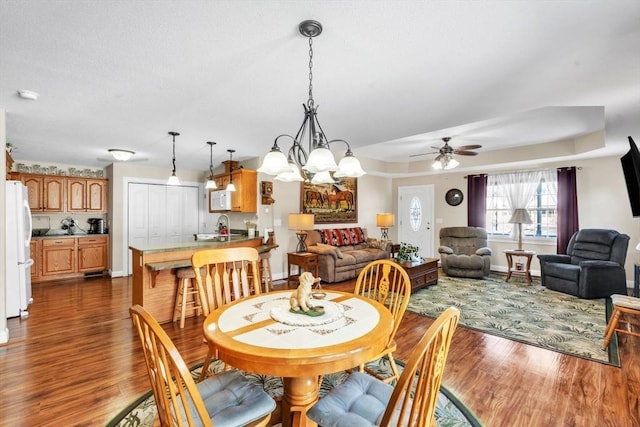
300, 221
520, 216
385, 220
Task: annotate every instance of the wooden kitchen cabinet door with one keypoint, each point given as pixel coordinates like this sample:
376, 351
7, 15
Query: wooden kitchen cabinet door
92, 254
58, 256
86, 195
53, 190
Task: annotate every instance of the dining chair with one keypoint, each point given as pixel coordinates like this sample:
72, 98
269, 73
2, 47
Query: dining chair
363, 400
621, 304
386, 282
227, 398
229, 274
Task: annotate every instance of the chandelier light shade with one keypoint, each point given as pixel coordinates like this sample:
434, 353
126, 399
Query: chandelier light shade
210, 184
292, 175
173, 179
520, 216
384, 221
300, 223
120, 154
317, 157
230, 186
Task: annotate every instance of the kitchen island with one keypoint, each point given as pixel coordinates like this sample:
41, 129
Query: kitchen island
154, 270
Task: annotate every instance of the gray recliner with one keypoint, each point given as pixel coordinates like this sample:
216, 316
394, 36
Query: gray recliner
593, 266
464, 252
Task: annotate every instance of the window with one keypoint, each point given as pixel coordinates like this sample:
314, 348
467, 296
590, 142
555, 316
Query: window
541, 204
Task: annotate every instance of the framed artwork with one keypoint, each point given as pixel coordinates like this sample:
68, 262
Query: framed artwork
331, 203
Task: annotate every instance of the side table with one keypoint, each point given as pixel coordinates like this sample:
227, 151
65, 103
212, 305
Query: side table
305, 261
519, 269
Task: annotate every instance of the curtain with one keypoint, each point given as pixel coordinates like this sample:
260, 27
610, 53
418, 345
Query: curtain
519, 187
477, 200
567, 208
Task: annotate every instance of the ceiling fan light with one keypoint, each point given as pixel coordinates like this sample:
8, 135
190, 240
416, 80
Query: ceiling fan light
350, 167
322, 178
120, 154
437, 165
452, 163
321, 160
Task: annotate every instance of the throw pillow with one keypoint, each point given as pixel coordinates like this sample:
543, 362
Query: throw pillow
377, 243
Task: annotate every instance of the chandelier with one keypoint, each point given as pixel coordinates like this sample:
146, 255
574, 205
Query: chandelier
317, 160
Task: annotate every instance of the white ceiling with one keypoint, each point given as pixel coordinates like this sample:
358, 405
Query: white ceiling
390, 77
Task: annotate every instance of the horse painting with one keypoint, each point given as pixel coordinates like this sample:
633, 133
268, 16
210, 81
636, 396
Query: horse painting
313, 198
335, 202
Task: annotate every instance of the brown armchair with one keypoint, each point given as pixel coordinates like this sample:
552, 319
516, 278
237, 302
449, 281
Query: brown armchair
464, 252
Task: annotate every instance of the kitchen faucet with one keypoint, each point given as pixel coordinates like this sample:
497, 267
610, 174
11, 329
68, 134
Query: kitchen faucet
220, 227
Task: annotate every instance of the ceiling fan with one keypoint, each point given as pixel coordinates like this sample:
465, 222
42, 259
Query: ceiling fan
445, 159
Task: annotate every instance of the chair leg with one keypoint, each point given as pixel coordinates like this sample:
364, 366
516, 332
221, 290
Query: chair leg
394, 369
611, 327
205, 365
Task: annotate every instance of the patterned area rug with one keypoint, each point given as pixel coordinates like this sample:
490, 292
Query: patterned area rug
531, 314
450, 412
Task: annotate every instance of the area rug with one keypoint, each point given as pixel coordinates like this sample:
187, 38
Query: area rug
450, 412
531, 314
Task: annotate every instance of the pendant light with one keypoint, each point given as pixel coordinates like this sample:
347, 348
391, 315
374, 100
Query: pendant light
210, 184
173, 179
317, 157
230, 186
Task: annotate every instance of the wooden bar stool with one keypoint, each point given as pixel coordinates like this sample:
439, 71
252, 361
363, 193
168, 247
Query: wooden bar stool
621, 304
265, 271
189, 296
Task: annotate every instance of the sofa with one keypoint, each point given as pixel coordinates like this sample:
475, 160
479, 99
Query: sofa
464, 252
593, 266
344, 252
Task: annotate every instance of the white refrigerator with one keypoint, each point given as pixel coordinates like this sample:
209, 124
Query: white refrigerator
18, 240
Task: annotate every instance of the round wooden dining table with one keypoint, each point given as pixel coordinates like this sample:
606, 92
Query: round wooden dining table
298, 348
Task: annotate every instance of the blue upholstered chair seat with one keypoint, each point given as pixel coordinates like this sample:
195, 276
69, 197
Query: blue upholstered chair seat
231, 400
358, 402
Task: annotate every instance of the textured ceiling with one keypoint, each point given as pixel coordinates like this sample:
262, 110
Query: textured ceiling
390, 77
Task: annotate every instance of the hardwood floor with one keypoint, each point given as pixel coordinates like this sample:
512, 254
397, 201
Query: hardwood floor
76, 362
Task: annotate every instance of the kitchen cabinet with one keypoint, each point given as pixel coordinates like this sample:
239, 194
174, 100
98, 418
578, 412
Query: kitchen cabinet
54, 193
58, 256
93, 253
35, 251
46, 193
245, 198
86, 195
68, 257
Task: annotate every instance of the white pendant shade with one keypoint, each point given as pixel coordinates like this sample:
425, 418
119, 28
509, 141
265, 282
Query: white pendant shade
349, 166
231, 187
292, 175
173, 180
210, 185
322, 178
320, 160
274, 163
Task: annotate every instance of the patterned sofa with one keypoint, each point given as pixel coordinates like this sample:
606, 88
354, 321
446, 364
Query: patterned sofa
343, 252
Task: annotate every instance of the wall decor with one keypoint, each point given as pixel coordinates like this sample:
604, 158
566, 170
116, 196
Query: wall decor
331, 203
454, 197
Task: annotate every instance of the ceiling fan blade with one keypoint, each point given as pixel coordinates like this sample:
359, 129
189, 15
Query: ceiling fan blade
465, 153
469, 147
421, 154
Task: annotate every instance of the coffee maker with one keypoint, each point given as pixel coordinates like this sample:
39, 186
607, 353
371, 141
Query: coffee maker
96, 225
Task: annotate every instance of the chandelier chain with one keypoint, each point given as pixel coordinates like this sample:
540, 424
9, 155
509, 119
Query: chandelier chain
310, 100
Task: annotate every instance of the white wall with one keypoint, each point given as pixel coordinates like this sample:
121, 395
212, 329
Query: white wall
4, 331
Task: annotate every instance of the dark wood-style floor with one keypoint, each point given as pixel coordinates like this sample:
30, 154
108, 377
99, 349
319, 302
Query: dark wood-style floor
76, 362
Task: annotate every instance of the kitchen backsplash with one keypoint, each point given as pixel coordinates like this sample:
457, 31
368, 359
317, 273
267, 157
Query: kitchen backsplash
54, 222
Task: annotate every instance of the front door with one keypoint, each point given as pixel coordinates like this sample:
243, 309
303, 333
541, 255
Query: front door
415, 213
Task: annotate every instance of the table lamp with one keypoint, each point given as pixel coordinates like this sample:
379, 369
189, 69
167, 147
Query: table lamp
520, 216
301, 222
384, 221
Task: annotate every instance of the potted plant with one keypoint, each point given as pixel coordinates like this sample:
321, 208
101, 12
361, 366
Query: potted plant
408, 253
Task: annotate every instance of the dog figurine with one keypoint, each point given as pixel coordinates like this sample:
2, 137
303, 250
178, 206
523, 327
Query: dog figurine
301, 298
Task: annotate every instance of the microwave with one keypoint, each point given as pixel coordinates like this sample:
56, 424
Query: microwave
220, 200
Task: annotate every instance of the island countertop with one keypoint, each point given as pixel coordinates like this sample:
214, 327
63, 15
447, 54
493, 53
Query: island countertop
155, 288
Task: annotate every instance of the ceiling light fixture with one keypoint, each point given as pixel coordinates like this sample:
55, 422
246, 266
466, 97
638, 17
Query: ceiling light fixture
28, 94
120, 154
173, 179
445, 161
318, 158
210, 184
230, 186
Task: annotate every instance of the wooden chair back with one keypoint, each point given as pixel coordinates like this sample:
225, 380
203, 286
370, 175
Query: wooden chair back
175, 392
229, 274
414, 397
388, 283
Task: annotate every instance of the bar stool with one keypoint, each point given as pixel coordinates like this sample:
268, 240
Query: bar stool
265, 271
188, 296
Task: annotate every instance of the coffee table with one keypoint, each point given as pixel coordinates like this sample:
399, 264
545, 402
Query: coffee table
422, 273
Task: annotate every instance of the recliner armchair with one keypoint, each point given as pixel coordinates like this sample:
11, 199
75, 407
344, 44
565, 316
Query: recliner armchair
593, 266
464, 252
